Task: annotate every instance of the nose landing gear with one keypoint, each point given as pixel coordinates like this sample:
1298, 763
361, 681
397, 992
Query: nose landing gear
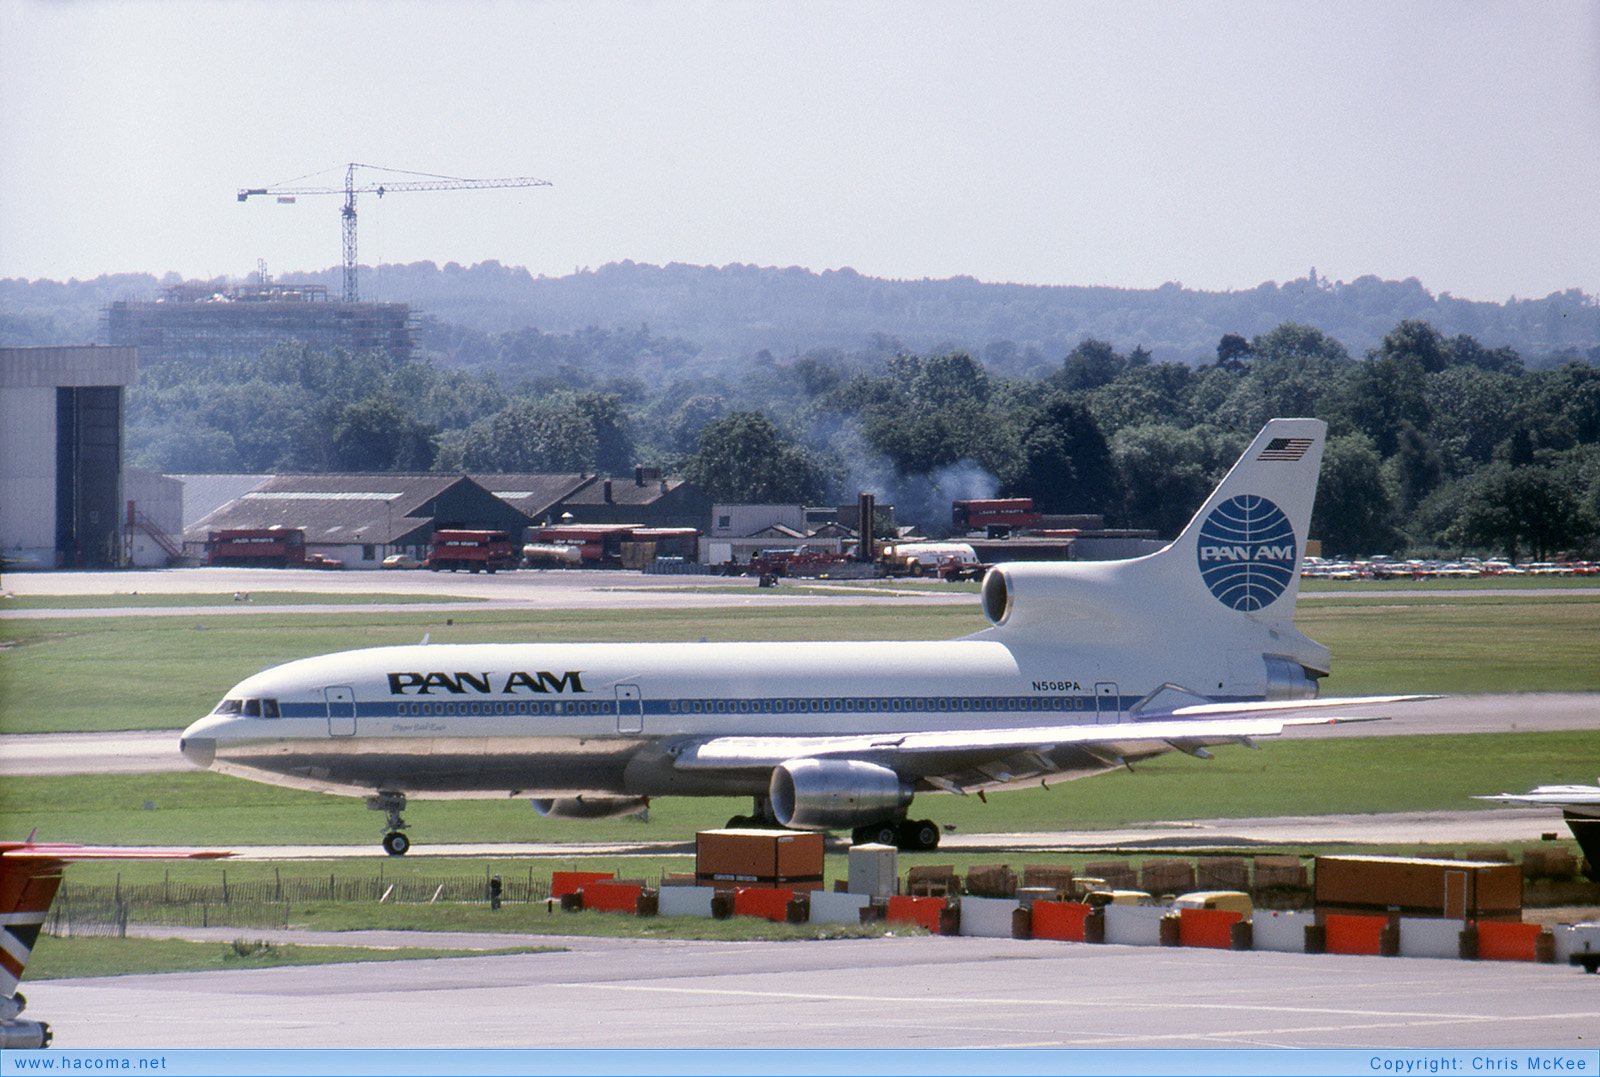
395, 843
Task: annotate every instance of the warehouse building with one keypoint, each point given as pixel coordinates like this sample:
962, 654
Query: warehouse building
358, 520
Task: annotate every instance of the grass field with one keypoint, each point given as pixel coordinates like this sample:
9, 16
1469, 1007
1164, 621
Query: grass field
161, 672
99, 674
1289, 777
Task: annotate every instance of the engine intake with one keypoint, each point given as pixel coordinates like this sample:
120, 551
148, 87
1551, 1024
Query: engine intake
832, 794
590, 807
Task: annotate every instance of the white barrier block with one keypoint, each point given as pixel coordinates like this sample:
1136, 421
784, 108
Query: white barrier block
988, 918
832, 908
1429, 936
1284, 932
1576, 939
685, 900
1134, 925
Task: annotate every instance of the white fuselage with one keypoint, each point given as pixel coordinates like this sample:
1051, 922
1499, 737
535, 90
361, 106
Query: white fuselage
570, 719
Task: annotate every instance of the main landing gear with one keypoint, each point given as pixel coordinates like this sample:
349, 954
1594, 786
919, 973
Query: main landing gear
760, 817
395, 843
908, 835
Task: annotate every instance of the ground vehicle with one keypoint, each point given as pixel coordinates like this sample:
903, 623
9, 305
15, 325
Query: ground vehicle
1002, 514
1101, 898
950, 560
1225, 900
265, 547
321, 560
475, 551
401, 560
800, 561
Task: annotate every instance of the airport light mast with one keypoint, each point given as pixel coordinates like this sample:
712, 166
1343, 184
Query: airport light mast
287, 192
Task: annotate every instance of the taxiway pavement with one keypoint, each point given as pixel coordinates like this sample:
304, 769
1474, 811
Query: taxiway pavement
897, 992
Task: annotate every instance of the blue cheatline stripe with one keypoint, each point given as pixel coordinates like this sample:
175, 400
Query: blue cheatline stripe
579, 706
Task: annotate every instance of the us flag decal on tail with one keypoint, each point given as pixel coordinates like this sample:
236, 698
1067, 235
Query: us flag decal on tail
1289, 449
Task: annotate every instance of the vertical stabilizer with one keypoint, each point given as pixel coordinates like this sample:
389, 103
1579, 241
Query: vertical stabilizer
1249, 537
26, 889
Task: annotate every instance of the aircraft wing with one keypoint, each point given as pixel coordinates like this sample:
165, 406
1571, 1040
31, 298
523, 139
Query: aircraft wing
1577, 799
968, 759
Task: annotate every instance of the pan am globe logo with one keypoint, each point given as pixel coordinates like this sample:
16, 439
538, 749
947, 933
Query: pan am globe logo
1247, 552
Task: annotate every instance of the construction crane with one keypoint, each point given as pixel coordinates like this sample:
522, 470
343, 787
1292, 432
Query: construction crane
287, 192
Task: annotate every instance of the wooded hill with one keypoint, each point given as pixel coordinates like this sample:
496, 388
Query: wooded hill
711, 314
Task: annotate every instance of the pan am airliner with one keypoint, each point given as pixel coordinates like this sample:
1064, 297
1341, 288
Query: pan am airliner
1088, 666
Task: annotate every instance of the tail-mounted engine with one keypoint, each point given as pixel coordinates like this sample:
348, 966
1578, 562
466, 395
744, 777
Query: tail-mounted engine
833, 794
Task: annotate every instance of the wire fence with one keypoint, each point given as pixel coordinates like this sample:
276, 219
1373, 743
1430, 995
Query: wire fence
104, 910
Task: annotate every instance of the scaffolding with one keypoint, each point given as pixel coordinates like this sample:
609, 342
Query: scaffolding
201, 321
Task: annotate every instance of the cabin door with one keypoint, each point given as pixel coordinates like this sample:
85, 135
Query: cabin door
630, 709
1107, 705
341, 711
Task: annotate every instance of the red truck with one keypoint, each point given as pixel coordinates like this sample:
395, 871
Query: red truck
475, 551
800, 561
264, 547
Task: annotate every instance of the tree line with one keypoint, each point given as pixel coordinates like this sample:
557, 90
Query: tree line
1437, 445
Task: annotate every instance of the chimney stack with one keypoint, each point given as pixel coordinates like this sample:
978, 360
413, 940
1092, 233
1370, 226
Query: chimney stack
866, 516
608, 491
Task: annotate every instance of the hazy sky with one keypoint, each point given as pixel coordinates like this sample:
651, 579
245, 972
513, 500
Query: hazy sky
1214, 144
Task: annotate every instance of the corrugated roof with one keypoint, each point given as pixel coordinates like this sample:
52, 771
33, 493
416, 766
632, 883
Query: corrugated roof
625, 491
532, 494
376, 509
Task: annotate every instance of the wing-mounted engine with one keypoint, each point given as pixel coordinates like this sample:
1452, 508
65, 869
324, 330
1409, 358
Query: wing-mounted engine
832, 794
590, 807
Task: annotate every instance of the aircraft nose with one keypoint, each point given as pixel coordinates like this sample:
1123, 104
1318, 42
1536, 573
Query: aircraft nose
201, 751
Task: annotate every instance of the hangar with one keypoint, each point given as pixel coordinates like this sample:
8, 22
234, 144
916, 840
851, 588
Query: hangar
61, 446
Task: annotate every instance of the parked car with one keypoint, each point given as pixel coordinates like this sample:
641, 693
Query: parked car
322, 560
401, 560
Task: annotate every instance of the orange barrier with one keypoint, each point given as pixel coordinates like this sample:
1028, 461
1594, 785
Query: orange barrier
1507, 942
1061, 920
563, 883
611, 897
763, 901
1212, 928
923, 911
1355, 934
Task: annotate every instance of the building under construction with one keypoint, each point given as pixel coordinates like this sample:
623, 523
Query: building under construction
201, 321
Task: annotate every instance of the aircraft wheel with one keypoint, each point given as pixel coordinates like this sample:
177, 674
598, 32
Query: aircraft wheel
396, 843
877, 833
920, 836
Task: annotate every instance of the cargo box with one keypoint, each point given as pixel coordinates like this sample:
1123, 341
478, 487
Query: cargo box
1279, 871
1450, 889
730, 858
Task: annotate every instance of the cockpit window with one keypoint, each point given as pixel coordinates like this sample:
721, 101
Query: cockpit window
229, 706
252, 708
269, 708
